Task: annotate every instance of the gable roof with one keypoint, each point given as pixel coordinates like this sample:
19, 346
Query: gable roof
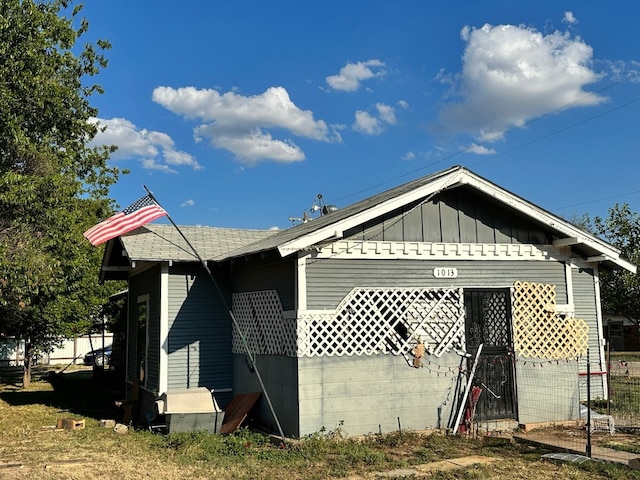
331, 226
155, 242
159, 242
164, 242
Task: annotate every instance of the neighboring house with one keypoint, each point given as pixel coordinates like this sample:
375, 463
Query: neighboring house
335, 308
68, 351
621, 333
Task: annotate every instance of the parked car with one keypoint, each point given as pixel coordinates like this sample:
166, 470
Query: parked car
100, 357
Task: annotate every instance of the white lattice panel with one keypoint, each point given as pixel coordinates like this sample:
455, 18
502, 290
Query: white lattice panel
369, 321
538, 331
260, 318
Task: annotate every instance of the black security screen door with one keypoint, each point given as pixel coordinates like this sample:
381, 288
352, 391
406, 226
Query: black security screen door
488, 322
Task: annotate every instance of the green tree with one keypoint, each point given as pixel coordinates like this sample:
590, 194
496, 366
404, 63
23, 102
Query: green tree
53, 184
620, 289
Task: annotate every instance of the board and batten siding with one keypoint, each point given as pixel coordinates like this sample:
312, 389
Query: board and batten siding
199, 336
459, 215
330, 280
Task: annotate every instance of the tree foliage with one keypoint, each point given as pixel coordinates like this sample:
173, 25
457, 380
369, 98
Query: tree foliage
53, 184
620, 289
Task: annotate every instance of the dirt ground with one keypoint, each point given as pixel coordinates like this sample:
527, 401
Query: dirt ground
32, 447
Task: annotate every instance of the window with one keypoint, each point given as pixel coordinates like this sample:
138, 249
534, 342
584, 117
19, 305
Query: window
615, 329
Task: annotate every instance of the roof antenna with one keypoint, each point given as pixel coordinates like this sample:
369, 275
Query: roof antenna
318, 205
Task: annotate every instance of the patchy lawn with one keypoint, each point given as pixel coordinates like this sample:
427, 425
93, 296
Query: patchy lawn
30, 446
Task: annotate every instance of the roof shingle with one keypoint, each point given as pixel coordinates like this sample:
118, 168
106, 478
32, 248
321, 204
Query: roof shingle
156, 242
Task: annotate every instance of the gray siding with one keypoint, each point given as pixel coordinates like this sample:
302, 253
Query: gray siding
547, 391
279, 373
552, 391
369, 394
280, 377
329, 280
146, 283
584, 289
199, 337
544, 394
267, 274
458, 215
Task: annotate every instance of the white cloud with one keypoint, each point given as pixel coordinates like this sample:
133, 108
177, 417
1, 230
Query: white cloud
352, 74
372, 124
367, 124
479, 149
403, 104
335, 130
622, 71
408, 156
512, 74
569, 18
252, 147
152, 164
155, 150
188, 203
238, 123
386, 113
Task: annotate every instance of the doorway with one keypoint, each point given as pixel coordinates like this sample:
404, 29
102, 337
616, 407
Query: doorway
488, 322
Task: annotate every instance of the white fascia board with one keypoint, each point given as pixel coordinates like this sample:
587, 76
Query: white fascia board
617, 260
574, 233
566, 242
328, 232
626, 265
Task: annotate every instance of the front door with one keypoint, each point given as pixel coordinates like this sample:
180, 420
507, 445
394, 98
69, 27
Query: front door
488, 322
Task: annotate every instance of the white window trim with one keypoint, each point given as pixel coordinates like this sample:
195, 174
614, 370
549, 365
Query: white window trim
163, 374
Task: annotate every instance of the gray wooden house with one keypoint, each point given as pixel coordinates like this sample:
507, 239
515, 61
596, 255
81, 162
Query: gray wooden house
335, 309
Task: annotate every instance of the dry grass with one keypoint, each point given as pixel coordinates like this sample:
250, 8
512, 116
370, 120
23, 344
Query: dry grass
38, 451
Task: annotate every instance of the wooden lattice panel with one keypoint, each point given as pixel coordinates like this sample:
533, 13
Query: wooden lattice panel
261, 320
369, 321
538, 331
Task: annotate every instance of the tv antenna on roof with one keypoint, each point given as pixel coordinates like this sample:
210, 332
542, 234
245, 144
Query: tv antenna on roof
318, 205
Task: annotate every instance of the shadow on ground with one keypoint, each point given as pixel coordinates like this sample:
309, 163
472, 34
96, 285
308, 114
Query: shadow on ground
80, 392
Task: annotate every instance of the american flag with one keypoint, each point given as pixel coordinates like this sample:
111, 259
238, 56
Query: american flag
135, 215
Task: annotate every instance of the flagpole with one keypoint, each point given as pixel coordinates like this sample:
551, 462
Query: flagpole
233, 317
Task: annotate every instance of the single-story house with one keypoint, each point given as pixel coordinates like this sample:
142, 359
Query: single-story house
388, 313
621, 333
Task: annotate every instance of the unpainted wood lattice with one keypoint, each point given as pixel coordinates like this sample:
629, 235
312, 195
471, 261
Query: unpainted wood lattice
369, 321
260, 318
538, 331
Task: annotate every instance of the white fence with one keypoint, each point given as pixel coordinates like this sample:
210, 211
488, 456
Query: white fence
70, 351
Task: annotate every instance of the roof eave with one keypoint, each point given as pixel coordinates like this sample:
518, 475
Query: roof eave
613, 262
335, 230
574, 235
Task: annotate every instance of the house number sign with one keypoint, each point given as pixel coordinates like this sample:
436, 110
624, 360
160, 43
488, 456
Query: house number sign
445, 272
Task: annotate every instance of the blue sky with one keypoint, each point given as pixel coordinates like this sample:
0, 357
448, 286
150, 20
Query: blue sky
237, 114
